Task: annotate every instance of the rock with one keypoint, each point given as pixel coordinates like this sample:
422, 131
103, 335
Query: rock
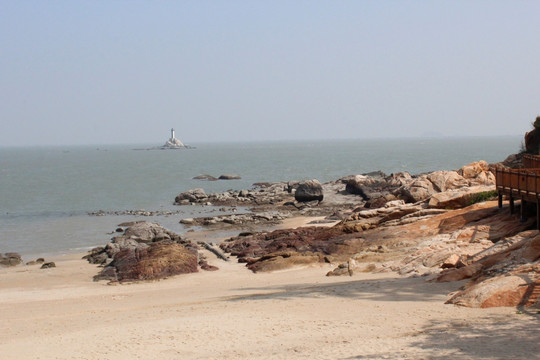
418, 190
507, 291
36, 262
508, 275
450, 262
356, 185
194, 195
48, 265
399, 179
458, 198
346, 268
532, 139
157, 261
229, 177
474, 169
205, 177
10, 259
207, 267
447, 180
280, 249
309, 190
376, 203
147, 232
513, 161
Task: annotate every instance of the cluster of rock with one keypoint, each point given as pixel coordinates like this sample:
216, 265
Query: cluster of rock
261, 194
279, 249
238, 220
13, 259
207, 177
146, 251
10, 259
443, 189
505, 274
140, 212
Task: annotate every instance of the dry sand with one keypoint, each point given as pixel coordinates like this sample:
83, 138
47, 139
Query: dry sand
60, 313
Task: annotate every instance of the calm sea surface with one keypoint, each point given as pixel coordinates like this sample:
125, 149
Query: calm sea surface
46, 192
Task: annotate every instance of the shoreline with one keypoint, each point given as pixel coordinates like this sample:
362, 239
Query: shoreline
61, 313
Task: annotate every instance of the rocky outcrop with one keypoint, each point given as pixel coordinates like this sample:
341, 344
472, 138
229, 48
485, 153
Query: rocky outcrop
146, 251
286, 248
238, 220
261, 194
424, 187
358, 184
309, 190
190, 196
157, 261
532, 139
454, 199
506, 274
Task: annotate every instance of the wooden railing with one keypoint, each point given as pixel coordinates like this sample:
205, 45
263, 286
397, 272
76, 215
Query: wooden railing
520, 181
531, 161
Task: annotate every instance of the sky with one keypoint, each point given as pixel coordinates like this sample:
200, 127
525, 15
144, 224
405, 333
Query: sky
118, 72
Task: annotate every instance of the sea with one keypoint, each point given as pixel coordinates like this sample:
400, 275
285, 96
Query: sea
47, 193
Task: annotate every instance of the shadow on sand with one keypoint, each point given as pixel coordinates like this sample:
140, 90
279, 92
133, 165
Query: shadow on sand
384, 289
488, 337
494, 337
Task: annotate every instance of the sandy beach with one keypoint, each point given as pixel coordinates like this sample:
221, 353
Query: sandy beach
60, 313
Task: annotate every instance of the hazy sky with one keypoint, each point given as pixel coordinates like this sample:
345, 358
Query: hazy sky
103, 72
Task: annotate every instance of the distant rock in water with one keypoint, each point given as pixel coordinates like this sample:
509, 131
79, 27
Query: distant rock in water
229, 177
205, 177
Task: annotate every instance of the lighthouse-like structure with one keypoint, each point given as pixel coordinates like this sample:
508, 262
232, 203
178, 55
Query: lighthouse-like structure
173, 143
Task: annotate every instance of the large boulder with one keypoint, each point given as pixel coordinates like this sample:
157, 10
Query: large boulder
194, 195
399, 179
157, 261
458, 198
309, 190
357, 184
148, 232
418, 190
447, 180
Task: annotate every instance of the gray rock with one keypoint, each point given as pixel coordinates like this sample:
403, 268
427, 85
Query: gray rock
10, 259
309, 190
229, 177
194, 195
205, 177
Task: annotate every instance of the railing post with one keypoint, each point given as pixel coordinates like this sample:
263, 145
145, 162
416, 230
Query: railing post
512, 206
522, 217
500, 199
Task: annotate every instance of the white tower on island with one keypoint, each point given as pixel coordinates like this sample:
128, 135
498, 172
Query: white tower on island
172, 134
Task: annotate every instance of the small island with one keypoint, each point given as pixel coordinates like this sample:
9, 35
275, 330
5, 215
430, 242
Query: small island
172, 144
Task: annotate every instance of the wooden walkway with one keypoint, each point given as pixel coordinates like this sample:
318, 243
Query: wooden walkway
521, 184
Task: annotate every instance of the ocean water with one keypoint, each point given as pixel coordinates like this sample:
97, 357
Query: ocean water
47, 192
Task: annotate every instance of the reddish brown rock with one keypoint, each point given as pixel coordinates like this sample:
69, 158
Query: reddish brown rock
157, 261
290, 247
